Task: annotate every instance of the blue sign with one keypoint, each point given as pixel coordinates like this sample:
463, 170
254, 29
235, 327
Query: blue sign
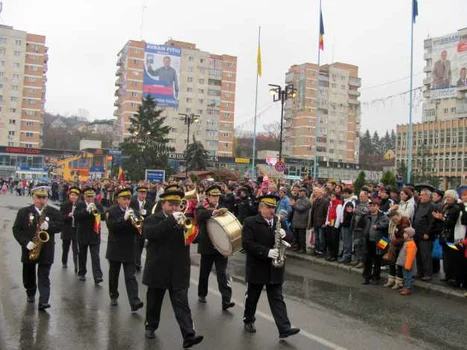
154, 175
161, 74
32, 169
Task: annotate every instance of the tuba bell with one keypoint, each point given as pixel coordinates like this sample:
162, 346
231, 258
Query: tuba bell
190, 195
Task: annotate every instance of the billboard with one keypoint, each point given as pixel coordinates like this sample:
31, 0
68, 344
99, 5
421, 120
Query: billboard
449, 66
161, 74
154, 175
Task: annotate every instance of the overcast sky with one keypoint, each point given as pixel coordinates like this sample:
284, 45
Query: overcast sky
85, 36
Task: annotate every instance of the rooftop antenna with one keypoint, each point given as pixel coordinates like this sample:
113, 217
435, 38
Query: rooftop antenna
143, 8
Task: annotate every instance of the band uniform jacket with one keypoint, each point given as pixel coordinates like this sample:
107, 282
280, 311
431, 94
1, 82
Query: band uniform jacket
68, 232
24, 230
84, 222
122, 236
257, 239
167, 257
205, 245
134, 204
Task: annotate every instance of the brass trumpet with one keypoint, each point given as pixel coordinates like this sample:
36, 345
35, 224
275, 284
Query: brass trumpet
137, 222
186, 223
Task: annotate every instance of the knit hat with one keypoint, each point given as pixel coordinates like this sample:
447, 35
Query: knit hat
410, 231
283, 212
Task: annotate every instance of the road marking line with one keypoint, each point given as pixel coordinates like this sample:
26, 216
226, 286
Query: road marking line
269, 318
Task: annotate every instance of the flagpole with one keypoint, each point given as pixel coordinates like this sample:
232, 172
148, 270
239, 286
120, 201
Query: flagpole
253, 158
315, 161
409, 156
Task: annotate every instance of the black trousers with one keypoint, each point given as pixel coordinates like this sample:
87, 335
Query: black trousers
95, 259
222, 279
424, 258
276, 303
29, 280
332, 237
130, 280
179, 299
139, 250
372, 267
300, 233
65, 250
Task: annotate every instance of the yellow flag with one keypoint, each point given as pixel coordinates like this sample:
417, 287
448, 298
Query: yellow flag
260, 68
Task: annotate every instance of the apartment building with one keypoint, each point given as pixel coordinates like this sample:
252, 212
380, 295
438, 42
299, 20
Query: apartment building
201, 83
329, 122
23, 68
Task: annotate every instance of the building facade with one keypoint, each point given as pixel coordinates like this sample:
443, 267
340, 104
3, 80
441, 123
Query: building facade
329, 122
23, 68
204, 86
438, 141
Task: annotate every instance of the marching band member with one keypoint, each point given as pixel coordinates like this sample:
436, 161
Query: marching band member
29, 221
69, 227
121, 248
167, 267
88, 216
142, 206
209, 255
258, 238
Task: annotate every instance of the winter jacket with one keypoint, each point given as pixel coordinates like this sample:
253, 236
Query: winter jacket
407, 255
284, 204
301, 211
334, 216
407, 208
346, 216
319, 212
423, 221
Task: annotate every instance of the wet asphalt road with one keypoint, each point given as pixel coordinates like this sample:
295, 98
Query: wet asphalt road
331, 307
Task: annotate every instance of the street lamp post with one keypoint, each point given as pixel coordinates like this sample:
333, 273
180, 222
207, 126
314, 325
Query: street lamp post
188, 119
282, 94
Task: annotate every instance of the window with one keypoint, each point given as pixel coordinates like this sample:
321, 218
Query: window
453, 109
32, 90
201, 70
200, 101
201, 91
229, 64
13, 98
446, 110
136, 62
11, 143
15, 76
31, 113
29, 145
31, 101
17, 53
137, 51
29, 123
134, 94
227, 94
14, 87
136, 74
33, 58
189, 89
190, 58
199, 111
11, 133
29, 134
201, 81
201, 60
190, 69
12, 121
189, 79
18, 42
133, 105
2, 40
32, 79
188, 100
188, 110
134, 83
16, 65
12, 110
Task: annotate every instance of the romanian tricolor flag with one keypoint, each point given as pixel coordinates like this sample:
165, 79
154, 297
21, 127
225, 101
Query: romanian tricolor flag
321, 31
97, 224
191, 234
121, 175
452, 246
383, 243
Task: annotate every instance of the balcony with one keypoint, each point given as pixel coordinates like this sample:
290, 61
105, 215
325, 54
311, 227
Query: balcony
117, 112
119, 61
323, 77
118, 92
427, 56
354, 102
427, 69
462, 88
117, 102
426, 94
427, 81
119, 72
118, 82
357, 82
289, 77
354, 93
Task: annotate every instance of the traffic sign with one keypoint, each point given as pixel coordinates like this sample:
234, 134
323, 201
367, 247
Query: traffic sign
279, 166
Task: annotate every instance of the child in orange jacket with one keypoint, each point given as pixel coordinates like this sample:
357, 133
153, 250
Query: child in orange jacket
406, 260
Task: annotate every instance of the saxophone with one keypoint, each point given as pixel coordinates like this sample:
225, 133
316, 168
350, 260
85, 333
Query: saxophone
39, 238
280, 245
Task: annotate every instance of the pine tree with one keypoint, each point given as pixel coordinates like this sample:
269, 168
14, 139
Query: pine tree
393, 140
375, 144
146, 148
197, 156
360, 182
389, 179
365, 144
386, 143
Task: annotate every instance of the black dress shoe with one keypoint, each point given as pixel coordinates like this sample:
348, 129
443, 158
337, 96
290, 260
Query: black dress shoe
136, 306
289, 332
31, 299
113, 302
228, 305
202, 300
192, 340
43, 306
98, 280
250, 327
150, 334
82, 278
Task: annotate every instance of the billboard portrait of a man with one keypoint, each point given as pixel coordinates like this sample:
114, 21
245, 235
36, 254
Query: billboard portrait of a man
463, 78
165, 74
442, 74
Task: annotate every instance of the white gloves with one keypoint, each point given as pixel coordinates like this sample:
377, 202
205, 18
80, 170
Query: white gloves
283, 234
90, 208
143, 212
30, 246
177, 215
273, 253
44, 226
127, 214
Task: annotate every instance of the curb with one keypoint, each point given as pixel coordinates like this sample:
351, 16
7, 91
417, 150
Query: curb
352, 270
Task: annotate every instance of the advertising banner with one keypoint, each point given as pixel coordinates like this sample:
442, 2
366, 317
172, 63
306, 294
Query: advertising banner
161, 74
449, 66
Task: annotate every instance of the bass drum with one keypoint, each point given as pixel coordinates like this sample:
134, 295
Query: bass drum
225, 233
